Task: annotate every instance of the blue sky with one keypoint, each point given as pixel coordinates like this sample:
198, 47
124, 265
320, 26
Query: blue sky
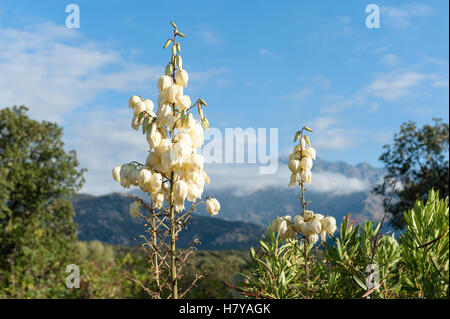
257, 63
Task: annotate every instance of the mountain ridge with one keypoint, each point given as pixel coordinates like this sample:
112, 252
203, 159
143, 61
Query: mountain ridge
242, 218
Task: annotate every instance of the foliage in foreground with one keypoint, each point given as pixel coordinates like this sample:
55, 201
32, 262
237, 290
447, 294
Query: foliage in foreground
37, 179
359, 263
105, 272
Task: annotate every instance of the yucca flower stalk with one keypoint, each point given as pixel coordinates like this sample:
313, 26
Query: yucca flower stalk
173, 172
307, 226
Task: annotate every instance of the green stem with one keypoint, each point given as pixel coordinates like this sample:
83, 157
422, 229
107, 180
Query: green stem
305, 241
155, 258
173, 264
173, 260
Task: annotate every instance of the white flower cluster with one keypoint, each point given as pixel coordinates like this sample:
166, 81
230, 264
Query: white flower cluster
310, 225
173, 138
301, 162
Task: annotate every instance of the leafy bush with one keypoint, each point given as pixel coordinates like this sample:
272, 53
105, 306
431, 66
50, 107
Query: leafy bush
359, 262
425, 248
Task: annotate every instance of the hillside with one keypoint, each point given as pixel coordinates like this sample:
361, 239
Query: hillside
242, 217
106, 218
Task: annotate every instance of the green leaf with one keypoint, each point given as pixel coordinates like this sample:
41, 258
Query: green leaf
264, 246
283, 279
360, 283
145, 125
140, 117
252, 252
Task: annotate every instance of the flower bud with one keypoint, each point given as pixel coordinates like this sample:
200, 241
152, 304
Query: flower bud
179, 62
302, 143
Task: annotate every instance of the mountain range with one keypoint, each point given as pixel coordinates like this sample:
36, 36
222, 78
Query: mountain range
106, 218
243, 216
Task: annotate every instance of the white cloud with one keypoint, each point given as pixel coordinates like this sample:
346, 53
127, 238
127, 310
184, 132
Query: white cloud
390, 60
209, 37
266, 52
332, 136
441, 83
337, 104
218, 76
395, 85
402, 16
321, 81
244, 179
298, 95
337, 184
53, 71
57, 74
104, 139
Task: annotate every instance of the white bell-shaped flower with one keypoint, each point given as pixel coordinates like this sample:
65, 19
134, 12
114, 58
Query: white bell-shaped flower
182, 78
212, 206
164, 82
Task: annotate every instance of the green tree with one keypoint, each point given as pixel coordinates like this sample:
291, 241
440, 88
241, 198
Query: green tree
416, 162
37, 231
